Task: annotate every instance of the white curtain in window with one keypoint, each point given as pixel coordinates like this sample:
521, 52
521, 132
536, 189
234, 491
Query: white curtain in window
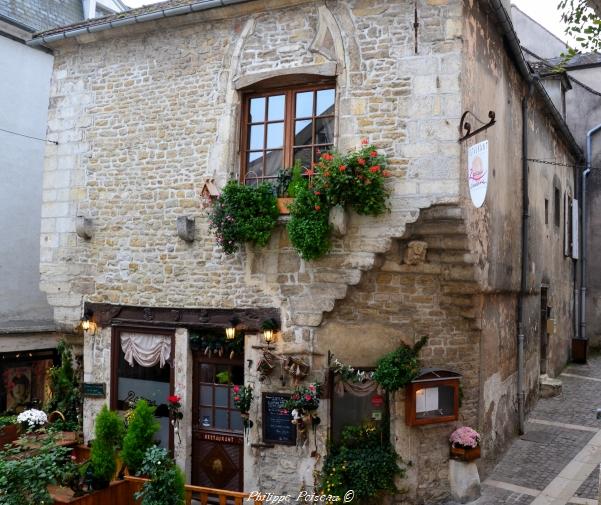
146, 350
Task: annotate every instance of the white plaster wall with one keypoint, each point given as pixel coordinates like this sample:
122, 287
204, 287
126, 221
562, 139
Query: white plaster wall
24, 92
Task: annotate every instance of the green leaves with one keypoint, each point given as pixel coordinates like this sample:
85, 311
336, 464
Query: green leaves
109, 437
583, 25
140, 435
166, 485
308, 228
244, 214
398, 368
363, 461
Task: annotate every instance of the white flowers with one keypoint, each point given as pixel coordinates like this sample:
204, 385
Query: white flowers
33, 418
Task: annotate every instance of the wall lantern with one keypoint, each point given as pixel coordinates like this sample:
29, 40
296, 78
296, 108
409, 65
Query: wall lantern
432, 397
87, 322
269, 328
230, 331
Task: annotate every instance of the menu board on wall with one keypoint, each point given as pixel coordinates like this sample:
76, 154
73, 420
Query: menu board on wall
277, 422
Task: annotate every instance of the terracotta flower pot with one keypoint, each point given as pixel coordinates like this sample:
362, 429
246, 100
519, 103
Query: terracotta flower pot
283, 205
465, 453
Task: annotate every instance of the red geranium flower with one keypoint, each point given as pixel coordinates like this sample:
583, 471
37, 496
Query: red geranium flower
174, 399
317, 207
342, 168
308, 398
374, 169
373, 154
327, 157
361, 161
364, 142
318, 193
309, 172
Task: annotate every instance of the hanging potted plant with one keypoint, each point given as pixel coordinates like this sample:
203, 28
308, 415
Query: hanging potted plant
290, 182
243, 397
465, 444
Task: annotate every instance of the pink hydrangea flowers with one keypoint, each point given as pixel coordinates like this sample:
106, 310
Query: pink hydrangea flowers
465, 437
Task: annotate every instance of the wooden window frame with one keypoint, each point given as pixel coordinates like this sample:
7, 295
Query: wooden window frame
288, 89
116, 348
410, 414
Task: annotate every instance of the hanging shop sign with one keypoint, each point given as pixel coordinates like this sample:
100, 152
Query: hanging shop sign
477, 172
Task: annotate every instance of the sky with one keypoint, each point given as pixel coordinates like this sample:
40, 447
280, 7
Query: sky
543, 11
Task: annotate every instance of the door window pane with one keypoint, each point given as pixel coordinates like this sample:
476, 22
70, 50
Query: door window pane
206, 395
304, 155
303, 132
276, 108
206, 417
221, 419
236, 420
222, 394
304, 104
325, 102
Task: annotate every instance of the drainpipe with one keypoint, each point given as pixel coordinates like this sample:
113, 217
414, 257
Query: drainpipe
583, 280
524, 258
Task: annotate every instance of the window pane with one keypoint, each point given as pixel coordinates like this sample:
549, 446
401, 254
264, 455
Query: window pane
304, 104
325, 102
273, 162
275, 135
236, 420
304, 155
257, 110
257, 133
303, 132
221, 419
276, 108
206, 395
221, 396
349, 410
237, 375
324, 131
434, 402
206, 373
205, 418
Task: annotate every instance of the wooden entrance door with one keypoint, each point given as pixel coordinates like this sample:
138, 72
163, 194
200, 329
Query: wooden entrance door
218, 433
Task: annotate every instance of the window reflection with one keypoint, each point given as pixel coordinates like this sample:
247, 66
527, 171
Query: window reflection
276, 108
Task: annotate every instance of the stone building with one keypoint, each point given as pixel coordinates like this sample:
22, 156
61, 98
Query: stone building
146, 108
27, 331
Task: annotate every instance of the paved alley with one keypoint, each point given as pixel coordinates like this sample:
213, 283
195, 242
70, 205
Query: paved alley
557, 461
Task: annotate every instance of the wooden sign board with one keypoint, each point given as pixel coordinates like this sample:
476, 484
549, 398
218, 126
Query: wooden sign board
277, 425
94, 390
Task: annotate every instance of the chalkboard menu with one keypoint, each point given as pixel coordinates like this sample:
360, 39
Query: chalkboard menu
277, 424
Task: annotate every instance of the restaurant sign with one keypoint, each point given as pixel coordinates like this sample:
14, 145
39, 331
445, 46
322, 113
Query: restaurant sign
477, 172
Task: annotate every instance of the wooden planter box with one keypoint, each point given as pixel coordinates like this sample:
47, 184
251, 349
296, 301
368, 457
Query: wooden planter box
9, 434
465, 454
283, 205
119, 492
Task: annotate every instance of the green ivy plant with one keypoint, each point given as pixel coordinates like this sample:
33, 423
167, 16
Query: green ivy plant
582, 24
398, 368
140, 435
243, 214
364, 461
308, 228
65, 390
166, 484
109, 431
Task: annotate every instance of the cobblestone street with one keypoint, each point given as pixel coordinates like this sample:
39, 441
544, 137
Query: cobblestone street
556, 462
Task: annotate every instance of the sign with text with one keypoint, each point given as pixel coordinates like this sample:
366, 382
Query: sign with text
477, 172
94, 390
277, 422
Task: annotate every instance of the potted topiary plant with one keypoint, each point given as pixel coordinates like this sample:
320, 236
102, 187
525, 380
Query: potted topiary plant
109, 432
465, 444
140, 435
290, 182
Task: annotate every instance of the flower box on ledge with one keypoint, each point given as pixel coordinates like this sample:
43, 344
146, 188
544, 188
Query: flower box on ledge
465, 453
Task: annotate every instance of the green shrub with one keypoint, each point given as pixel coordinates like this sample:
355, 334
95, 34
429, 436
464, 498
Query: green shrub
109, 437
297, 181
65, 390
166, 485
140, 435
244, 214
398, 368
363, 461
308, 228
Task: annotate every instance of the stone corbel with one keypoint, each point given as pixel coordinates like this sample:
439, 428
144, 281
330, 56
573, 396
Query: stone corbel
185, 228
83, 227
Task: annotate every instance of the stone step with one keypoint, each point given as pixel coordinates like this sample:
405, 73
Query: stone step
441, 212
440, 228
451, 257
549, 386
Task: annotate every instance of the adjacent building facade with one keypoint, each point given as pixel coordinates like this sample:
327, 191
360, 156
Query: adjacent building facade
147, 109
27, 331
